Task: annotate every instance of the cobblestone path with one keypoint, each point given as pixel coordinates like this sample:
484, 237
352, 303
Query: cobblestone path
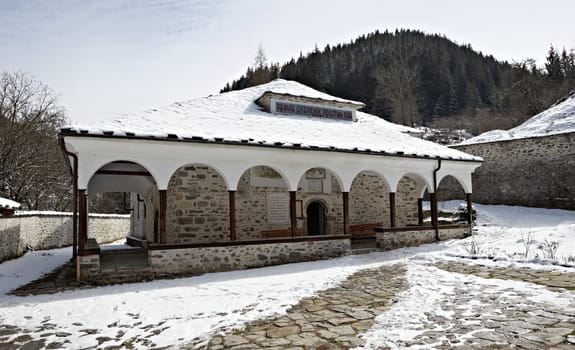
331, 320
553, 280
471, 316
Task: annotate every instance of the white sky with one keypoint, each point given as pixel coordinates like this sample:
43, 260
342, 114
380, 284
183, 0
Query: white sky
105, 58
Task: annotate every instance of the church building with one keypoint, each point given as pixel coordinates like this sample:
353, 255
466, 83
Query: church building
271, 174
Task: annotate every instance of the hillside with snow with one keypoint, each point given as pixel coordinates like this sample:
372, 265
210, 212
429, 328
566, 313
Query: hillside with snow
558, 119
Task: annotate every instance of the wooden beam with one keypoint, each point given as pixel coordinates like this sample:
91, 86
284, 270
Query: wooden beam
83, 220
346, 213
123, 172
392, 220
469, 209
232, 198
292, 213
163, 208
420, 211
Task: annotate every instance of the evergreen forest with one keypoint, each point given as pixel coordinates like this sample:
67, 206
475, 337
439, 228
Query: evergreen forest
414, 78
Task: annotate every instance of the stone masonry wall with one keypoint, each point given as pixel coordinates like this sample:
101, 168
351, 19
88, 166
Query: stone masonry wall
54, 230
369, 201
251, 209
201, 260
534, 172
399, 239
198, 206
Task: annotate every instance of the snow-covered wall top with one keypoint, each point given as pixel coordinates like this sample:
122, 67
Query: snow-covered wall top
558, 119
235, 117
8, 204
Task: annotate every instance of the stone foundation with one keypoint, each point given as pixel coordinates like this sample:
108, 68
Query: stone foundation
89, 267
405, 237
226, 258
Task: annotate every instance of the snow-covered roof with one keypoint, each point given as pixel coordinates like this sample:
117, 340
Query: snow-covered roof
558, 119
234, 117
8, 204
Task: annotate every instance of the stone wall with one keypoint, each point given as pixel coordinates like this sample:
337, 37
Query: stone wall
394, 239
534, 172
214, 259
40, 231
198, 203
197, 206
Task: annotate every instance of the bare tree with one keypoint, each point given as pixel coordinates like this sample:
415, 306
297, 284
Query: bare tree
261, 73
32, 169
398, 80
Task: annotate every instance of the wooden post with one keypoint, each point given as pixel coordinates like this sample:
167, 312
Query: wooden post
83, 220
232, 198
346, 213
469, 209
292, 213
392, 209
420, 211
434, 214
163, 208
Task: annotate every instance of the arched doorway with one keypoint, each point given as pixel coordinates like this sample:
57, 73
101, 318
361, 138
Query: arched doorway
315, 219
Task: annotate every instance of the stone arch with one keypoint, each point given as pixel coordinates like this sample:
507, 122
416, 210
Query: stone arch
369, 199
262, 204
197, 206
324, 185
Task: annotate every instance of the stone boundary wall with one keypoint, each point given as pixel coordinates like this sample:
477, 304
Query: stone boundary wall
533, 172
48, 230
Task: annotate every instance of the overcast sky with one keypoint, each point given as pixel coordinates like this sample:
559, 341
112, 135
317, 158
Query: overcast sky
104, 58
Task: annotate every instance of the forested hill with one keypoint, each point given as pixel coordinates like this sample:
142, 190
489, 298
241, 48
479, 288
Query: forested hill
415, 78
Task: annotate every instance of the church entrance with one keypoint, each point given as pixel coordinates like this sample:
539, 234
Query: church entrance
315, 219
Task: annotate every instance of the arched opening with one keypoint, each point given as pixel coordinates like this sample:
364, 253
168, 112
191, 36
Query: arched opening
452, 201
408, 200
120, 187
197, 206
320, 185
316, 215
262, 204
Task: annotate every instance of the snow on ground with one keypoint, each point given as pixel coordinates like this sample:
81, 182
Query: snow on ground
198, 306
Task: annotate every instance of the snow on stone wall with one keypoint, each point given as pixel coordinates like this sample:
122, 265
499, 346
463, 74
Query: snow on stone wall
533, 172
40, 231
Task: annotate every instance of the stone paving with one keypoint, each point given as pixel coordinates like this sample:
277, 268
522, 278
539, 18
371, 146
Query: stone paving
337, 318
472, 316
333, 319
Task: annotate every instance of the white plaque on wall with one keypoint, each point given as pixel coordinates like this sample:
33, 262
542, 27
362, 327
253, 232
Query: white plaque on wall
278, 208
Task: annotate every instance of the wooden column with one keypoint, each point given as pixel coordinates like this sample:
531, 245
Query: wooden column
469, 209
232, 197
392, 221
434, 214
163, 208
83, 220
346, 213
420, 211
292, 213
